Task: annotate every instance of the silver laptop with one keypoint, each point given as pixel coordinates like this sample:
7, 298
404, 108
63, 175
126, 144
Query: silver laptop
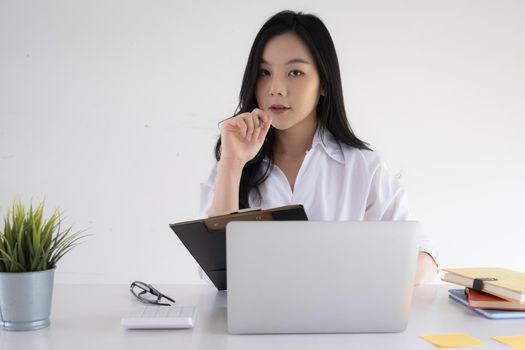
320, 277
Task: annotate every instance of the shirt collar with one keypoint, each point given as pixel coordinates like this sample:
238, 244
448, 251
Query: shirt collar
328, 143
324, 139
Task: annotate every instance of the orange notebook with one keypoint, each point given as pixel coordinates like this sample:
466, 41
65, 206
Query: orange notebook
480, 300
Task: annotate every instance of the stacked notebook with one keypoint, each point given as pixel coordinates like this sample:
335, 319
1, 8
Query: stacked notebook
491, 292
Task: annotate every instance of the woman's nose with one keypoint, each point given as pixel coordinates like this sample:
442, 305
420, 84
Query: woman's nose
277, 87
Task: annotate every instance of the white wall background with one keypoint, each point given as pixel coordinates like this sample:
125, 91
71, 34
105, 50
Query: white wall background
108, 109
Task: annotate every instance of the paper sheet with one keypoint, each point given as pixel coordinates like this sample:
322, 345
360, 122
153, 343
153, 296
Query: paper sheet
455, 340
515, 342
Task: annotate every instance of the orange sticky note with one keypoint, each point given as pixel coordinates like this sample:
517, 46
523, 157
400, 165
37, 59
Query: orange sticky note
454, 340
515, 342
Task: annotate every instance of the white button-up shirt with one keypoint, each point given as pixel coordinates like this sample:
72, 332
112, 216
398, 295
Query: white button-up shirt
336, 182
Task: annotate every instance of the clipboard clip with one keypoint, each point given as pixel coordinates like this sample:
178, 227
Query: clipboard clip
218, 223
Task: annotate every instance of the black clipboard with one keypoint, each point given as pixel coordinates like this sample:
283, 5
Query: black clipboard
206, 239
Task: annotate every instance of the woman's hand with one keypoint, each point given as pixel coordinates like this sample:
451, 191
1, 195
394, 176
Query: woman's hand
242, 136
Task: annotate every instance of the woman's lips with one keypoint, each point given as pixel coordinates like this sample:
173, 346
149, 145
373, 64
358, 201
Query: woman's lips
279, 109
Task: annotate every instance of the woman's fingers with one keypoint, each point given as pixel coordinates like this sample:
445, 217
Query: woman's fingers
242, 126
264, 121
250, 124
258, 123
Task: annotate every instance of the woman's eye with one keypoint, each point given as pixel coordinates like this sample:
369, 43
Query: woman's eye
295, 73
263, 73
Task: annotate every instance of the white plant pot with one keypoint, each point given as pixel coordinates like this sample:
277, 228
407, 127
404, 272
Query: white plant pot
25, 299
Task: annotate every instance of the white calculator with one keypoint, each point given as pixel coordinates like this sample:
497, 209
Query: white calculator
160, 317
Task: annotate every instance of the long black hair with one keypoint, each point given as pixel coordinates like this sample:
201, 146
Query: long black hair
330, 108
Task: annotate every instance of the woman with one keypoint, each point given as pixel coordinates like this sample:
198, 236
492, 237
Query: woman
290, 141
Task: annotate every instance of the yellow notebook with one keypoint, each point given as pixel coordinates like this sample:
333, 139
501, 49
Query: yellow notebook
504, 283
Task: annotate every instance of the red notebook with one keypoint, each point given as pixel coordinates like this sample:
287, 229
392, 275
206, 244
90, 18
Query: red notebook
481, 300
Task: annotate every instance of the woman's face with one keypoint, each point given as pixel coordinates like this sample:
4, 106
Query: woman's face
288, 86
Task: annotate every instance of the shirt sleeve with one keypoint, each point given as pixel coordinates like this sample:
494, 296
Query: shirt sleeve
387, 201
207, 192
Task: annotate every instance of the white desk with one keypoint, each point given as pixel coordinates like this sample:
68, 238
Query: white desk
88, 317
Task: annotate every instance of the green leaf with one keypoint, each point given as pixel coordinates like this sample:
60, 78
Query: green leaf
30, 243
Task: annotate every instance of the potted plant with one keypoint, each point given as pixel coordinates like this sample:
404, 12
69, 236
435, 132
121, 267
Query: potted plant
30, 248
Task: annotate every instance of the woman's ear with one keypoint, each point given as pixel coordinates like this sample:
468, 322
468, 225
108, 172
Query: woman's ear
322, 93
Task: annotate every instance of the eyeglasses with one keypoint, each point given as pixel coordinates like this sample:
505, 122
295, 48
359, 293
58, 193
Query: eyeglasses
147, 294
